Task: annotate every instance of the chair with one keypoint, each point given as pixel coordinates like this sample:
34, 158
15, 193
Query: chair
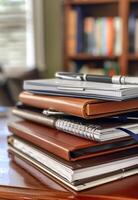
12, 86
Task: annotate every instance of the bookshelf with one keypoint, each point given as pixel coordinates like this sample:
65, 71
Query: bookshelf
104, 11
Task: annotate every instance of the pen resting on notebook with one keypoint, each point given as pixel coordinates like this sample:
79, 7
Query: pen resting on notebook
98, 130
97, 78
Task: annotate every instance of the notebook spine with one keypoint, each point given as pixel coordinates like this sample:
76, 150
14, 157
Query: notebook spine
78, 129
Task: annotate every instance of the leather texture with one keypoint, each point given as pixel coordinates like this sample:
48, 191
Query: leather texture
64, 145
86, 108
17, 183
79, 164
41, 172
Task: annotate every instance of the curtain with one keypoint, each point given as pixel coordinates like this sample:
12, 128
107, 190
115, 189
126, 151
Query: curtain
35, 36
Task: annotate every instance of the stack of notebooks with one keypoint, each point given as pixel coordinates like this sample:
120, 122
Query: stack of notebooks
77, 141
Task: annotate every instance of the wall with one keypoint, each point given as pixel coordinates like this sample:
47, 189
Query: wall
53, 36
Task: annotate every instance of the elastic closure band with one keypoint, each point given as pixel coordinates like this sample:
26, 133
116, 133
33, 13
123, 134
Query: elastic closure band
133, 135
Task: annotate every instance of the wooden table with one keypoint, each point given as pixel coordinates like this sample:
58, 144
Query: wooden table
16, 183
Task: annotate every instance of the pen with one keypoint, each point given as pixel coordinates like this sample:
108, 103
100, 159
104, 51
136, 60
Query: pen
52, 112
117, 79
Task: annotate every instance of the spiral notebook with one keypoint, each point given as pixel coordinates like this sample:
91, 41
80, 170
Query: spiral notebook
103, 129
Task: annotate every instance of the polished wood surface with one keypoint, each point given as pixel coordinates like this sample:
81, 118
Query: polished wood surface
16, 183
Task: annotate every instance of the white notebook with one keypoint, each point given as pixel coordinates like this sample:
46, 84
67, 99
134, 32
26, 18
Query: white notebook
84, 89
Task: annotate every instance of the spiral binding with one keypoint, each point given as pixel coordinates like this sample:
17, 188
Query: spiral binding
76, 128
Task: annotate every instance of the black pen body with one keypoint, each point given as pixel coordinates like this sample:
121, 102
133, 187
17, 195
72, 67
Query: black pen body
98, 78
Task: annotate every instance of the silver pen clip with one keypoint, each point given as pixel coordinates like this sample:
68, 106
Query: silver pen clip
52, 112
69, 76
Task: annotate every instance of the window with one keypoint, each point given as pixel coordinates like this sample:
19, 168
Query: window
19, 32
12, 32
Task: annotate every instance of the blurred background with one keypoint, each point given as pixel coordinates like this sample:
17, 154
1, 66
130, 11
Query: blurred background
40, 37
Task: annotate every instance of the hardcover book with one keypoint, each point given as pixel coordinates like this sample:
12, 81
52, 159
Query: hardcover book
102, 129
131, 32
64, 145
71, 42
85, 108
41, 172
78, 171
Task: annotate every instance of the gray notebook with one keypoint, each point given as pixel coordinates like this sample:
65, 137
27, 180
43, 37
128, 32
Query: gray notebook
82, 89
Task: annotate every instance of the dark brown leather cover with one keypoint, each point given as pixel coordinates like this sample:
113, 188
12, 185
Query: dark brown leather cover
124, 189
65, 145
16, 183
86, 108
80, 164
34, 168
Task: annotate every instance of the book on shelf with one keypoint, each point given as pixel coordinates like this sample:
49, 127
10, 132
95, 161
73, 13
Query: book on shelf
104, 36
93, 35
74, 31
79, 29
110, 35
133, 33
136, 37
71, 42
98, 36
118, 36
88, 35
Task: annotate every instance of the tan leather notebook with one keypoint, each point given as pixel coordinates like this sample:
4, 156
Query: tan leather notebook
65, 145
86, 108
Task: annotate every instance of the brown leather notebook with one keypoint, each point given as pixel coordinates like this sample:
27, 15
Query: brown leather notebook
78, 170
86, 108
101, 129
65, 145
41, 173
